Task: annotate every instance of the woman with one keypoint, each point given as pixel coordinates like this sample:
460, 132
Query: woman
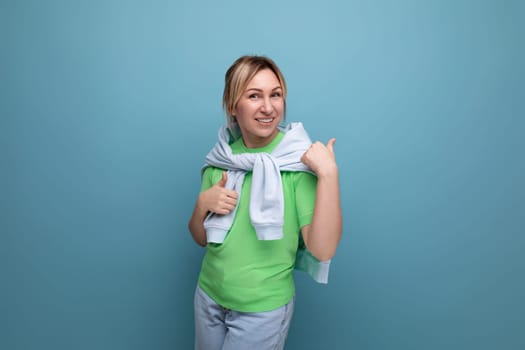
263, 185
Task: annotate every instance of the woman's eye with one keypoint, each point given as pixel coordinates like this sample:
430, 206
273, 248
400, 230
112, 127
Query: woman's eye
253, 96
276, 94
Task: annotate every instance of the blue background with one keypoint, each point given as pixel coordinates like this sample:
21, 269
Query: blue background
107, 111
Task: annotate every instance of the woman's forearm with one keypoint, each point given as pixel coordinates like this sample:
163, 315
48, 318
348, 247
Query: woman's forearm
323, 234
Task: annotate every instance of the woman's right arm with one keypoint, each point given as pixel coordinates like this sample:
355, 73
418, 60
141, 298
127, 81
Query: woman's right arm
216, 199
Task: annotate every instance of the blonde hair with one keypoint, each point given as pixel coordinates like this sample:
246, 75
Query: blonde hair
237, 78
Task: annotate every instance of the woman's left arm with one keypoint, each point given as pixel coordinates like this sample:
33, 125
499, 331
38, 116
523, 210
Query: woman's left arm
322, 236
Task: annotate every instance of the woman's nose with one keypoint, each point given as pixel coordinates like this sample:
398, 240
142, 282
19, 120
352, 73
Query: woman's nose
267, 106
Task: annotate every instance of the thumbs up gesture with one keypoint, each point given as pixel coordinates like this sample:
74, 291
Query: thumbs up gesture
321, 158
217, 199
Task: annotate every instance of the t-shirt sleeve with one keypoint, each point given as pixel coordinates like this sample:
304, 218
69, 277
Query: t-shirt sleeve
305, 191
210, 177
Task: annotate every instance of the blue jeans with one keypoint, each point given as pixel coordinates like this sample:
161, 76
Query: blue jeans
217, 328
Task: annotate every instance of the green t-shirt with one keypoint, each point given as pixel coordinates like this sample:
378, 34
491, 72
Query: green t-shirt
247, 274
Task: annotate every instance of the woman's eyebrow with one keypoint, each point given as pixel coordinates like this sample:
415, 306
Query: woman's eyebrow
257, 89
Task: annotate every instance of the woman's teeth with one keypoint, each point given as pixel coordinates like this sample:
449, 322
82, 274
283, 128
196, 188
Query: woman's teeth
266, 120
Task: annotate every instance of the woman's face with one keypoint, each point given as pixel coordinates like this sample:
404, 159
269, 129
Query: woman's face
260, 109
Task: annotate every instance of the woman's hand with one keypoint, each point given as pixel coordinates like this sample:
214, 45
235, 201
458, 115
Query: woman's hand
217, 199
321, 158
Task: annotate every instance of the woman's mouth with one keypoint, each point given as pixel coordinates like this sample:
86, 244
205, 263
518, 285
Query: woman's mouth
264, 120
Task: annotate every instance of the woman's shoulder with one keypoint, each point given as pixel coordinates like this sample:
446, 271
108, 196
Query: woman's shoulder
213, 173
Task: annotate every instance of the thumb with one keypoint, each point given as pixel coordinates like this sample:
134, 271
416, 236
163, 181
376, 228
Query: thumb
222, 181
330, 145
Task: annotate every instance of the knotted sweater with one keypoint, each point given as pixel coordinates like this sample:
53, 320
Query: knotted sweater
266, 203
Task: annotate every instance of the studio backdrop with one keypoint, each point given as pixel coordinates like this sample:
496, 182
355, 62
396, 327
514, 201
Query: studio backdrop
107, 109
